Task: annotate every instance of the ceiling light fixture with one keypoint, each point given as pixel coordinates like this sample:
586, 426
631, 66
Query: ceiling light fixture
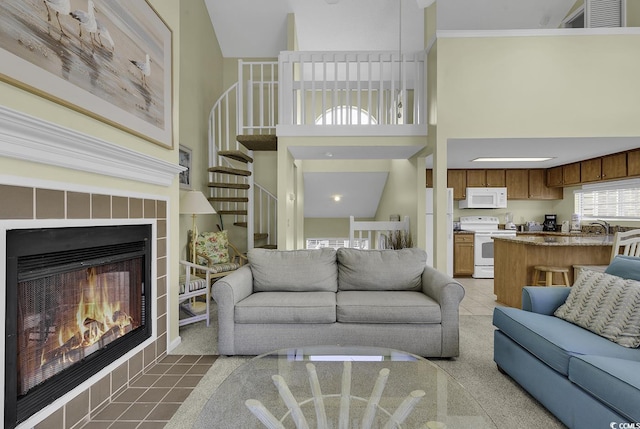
508, 159
337, 198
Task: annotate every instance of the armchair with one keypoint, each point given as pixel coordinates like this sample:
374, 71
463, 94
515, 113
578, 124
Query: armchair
214, 251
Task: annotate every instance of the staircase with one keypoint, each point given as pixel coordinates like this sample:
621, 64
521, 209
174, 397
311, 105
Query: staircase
232, 141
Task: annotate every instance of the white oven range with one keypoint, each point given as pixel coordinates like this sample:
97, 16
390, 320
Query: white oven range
484, 228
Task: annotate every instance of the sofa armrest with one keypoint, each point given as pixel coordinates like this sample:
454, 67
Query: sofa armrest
448, 293
227, 292
543, 299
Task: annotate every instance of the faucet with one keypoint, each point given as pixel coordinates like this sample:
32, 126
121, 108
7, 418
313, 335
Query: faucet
603, 224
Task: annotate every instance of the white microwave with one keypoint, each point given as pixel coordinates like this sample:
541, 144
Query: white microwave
484, 198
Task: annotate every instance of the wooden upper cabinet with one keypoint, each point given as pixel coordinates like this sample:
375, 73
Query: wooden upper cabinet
429, 179
496, 178
457, 179
614, 166
633, 163
591, 170
538, 189
571, 174
554, 177
476, 178
517, 181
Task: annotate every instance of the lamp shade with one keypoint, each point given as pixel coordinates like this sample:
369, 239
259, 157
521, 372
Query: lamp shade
194, 202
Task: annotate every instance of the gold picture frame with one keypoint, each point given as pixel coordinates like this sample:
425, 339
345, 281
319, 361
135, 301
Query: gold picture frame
108, 59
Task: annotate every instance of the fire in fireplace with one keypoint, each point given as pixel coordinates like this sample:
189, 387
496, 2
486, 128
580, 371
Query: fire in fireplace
77, 299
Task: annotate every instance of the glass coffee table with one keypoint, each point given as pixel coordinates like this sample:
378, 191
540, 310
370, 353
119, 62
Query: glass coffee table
336, 387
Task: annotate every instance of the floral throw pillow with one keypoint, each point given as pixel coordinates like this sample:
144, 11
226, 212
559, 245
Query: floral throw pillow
214, 245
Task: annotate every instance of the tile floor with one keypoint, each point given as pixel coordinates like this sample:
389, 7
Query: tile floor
151, 399
479, 299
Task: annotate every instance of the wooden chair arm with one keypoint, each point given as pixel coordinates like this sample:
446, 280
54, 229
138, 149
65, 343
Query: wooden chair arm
241, 258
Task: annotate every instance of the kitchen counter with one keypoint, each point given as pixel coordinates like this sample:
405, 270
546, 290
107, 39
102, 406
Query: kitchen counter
515, 257
559, 239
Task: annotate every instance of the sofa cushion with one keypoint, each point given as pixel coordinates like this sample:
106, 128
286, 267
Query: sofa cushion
386, 307
381, 269
627, 267
606, 305
294, 270
287, 307
554, 341
616, 382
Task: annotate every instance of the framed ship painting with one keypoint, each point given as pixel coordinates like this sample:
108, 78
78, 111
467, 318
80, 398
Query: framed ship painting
109, 59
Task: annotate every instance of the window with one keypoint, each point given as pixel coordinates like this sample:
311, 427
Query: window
613, 200
336, 243
345, 115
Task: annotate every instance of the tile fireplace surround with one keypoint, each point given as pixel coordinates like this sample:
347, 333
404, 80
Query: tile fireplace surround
36, 203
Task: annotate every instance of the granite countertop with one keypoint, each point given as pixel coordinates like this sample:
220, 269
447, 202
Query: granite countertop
462, 231
560, 240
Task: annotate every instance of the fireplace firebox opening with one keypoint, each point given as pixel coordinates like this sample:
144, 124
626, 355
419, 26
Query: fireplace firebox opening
78, 299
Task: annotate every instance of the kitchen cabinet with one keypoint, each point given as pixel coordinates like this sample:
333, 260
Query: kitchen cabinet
555, 177
462, 255
457, 179
429, 178
633, 163
476, 178
492, 178
496, 178
571, 174
591, 170
517, 181
538, 189
614, 166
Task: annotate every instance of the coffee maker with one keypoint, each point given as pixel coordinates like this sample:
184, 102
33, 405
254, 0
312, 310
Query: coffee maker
549, 223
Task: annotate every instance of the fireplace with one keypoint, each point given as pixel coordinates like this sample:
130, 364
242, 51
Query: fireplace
78, 298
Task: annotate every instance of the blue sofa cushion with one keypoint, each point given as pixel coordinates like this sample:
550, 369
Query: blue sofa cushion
627, 267
616, 382
553, 340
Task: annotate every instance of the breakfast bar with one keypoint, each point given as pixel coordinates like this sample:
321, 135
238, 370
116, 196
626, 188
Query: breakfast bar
515, 257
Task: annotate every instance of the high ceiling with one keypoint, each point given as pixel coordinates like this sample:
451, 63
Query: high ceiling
258, 29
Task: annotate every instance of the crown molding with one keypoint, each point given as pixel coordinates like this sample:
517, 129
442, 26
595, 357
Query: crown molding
32, 139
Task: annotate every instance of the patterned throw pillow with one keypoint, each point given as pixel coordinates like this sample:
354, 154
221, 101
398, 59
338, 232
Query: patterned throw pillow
606, 305
213, 244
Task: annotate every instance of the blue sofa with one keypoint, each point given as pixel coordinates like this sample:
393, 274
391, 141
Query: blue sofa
585, 380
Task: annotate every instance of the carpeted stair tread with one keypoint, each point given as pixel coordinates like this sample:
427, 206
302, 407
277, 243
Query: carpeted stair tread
228, 185
259, 142
228, 199
229, 170
236, 155
232, 212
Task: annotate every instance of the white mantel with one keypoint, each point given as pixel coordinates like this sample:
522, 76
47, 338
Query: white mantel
32, 139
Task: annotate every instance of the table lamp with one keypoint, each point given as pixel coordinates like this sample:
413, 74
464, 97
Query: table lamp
195, 203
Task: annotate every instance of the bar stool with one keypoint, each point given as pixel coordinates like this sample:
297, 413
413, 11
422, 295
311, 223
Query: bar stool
548, 280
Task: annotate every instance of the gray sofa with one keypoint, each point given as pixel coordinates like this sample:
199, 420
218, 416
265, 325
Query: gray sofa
384, 298
584, 379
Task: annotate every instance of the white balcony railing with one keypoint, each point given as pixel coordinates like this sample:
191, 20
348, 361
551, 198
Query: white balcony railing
352, 88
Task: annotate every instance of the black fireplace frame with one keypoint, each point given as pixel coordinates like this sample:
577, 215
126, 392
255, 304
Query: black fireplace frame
24, 248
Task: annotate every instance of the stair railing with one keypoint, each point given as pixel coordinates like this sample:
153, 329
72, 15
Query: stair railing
227, 119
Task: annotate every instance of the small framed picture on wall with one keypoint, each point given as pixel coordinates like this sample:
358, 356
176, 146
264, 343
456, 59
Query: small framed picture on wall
185, 161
